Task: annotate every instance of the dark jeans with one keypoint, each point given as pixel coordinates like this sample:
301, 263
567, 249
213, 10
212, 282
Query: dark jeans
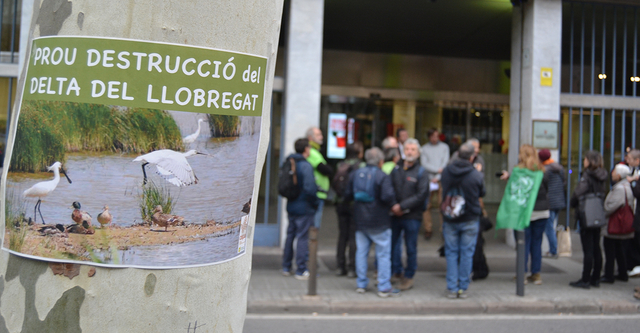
615, 250
592, 262
346, 237
533, 244
411, 229
633, 254
298, 229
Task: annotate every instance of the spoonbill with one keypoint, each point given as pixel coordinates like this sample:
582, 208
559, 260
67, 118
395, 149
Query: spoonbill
42, 189
165, 220
192, 137
105, 217
78, 216
171, 165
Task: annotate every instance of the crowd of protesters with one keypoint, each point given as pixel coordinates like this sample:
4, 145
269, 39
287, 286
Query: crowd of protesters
384, 196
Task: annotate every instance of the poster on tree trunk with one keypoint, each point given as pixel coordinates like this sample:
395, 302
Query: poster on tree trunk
134, 154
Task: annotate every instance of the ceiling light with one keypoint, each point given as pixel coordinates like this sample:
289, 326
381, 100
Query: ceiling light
602, 76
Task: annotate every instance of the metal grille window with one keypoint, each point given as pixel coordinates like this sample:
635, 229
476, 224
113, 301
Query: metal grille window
10, 12
600, 49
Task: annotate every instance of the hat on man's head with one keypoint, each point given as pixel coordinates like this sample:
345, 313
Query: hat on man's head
544, 154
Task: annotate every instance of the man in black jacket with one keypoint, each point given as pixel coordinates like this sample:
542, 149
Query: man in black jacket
411, 184
373, 195
462, 188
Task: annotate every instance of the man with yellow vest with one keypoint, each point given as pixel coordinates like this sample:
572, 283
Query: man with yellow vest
321, 170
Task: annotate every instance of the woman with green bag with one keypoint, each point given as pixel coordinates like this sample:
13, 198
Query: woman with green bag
531, 183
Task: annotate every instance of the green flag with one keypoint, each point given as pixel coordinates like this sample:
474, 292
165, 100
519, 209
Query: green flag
518, 199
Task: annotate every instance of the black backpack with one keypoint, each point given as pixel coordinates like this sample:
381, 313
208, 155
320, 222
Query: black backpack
288, 186
341, 178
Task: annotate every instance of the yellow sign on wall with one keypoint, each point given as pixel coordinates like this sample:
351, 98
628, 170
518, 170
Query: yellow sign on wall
546, 76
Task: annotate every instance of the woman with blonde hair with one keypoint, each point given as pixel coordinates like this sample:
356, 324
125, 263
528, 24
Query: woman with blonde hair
528, 159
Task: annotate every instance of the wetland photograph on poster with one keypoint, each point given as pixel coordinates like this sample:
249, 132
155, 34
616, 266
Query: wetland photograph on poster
123, 186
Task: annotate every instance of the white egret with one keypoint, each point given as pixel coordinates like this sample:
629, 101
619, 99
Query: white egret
42, 189
171, 165
192, 137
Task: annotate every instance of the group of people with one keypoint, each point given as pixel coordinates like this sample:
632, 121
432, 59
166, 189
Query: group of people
384, 196
383, 201
621, 245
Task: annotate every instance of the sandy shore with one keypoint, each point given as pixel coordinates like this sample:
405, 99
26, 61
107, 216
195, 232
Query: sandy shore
80, 246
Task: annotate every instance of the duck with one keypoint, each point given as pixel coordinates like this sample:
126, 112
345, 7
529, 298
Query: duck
78, 216
83, 228
105, 217
47, 229
246, 208
165, 220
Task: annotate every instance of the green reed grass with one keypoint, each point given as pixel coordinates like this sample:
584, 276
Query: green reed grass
153, 195
223, 126
47, 130
14, 213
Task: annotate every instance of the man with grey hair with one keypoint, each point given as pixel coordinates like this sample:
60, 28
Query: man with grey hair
391, 154
389, 142
411, 185
321, 171
462, 187
478, 161
373, 195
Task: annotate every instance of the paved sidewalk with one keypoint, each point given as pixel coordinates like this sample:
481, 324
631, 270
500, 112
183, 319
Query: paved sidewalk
270, 292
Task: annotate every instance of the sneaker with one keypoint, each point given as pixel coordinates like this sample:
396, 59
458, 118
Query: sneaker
406, 284
352, 275
595, 284
462, 294
286, 273
341, 272
451, 294
605, 279
361, 290
535, 279
635, 272
580, 284
550, 255
302, 277
389, 293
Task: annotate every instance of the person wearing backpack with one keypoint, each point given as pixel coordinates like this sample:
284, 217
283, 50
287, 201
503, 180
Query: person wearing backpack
321, 170
592, 181
346, 225
462, 188
616, 244
372, 194
301, 209
557, 183
411, 185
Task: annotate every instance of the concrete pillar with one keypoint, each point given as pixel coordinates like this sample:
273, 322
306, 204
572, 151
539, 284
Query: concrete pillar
404, 113
536, 47
209, 298
303, 77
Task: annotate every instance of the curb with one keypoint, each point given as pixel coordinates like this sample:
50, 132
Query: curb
444, 307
